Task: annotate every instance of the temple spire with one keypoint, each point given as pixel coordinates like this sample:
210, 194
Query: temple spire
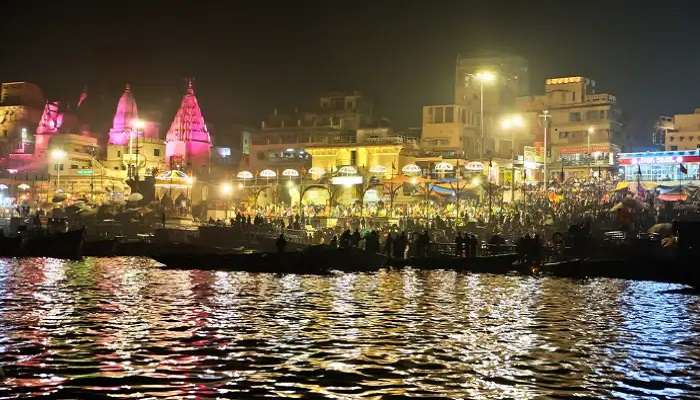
126, 112
188, 142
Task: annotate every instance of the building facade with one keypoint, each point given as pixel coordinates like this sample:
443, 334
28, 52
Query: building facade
450, 130
281, 141
584, 127
684, 133
21, 105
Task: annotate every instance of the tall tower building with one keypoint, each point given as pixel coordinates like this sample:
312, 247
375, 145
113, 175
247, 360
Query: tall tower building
188, 144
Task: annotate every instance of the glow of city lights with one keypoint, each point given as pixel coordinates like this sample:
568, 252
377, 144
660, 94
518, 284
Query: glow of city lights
289, 172
411, 169
3, 186
485, 76
226, 188
244, 175
476, 181
138, 123
347, 170
290, 184
512, 121
58, 154
591, 130
443, 166
596, 154
267, 173
377, 169
11, 171
23, 186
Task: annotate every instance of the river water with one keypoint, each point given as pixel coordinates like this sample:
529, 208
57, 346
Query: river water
121, 327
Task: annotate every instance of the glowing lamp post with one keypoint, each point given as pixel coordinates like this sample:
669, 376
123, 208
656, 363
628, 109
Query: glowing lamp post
511, 123
137, 126
590, 131
484, 77
58, 155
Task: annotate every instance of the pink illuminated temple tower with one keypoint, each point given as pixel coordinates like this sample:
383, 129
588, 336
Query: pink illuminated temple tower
188, 144
126, 113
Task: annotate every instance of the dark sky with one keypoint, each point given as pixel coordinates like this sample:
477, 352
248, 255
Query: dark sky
249, 57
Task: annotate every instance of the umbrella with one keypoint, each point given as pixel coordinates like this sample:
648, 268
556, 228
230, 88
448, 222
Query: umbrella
134, 197
663, 229
58, 197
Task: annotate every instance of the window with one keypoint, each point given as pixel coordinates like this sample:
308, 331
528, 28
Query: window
602, 114
439, 116
73, 166
681, 138
156, 152
671, 138
676, 147
575, 116
464, 116
449, 114
353, 157
119, 153
563, 135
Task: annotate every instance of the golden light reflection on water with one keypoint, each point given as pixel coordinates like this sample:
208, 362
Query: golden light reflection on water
123, 327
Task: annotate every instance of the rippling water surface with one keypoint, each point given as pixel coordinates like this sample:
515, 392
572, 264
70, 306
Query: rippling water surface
121, 327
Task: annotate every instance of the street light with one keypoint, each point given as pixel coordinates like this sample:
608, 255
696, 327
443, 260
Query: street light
511, 123
545, 122
484, 77
137, 125
56, 156
590, 131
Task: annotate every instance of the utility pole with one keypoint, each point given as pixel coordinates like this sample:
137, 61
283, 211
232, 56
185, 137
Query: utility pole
545, 122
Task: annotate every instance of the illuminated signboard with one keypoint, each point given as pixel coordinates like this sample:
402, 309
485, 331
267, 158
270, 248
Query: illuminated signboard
659, 157
85, 172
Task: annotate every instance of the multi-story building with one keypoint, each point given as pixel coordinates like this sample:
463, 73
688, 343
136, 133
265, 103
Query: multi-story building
79, 172
509, 81
450, 130
684, 133
662, 126
585, 128
282, 138
21, 105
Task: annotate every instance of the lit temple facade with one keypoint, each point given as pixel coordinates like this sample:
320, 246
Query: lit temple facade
187, 143
134, 147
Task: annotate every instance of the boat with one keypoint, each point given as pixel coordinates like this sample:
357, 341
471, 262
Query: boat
100, 247
312, 260
67, 245
497, 263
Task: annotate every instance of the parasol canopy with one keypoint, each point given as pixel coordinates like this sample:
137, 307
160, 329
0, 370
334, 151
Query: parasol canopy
134, 197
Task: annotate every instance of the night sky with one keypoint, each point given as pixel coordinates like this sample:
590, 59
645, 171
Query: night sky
250, 57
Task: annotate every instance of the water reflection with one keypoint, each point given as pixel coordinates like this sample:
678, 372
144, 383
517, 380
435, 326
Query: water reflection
123, 328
